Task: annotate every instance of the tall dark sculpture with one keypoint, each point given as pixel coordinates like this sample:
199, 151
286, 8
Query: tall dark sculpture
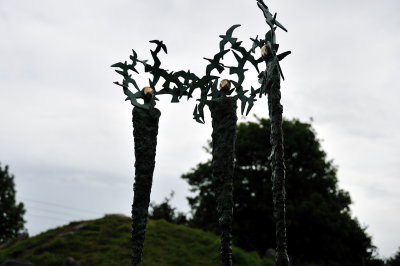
271, 86
145, 130
223, 113
222, 103
145, 118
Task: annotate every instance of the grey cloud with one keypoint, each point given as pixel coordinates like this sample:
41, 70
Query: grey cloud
67, 122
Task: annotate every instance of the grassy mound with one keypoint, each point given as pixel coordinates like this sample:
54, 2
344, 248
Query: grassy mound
106, 241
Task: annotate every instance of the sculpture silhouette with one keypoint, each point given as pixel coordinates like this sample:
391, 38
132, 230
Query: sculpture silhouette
271, 86
222, 104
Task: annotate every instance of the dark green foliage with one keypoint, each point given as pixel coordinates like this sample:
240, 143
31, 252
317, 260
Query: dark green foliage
375, 262
106, 242
165, 211
319, 223
395, 260
11, 212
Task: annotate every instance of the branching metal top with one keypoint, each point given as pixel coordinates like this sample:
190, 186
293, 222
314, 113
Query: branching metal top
184, 83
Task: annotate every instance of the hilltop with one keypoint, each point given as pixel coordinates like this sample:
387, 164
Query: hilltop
106, 242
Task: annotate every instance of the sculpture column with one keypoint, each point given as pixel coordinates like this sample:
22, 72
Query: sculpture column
277, 157
145, 130
223, 113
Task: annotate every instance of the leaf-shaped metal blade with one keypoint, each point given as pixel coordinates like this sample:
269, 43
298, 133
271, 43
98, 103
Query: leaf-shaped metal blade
283, 55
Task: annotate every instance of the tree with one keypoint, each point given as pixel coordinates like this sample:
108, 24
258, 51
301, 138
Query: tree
11, 213
320, 228
395, 260
165, 211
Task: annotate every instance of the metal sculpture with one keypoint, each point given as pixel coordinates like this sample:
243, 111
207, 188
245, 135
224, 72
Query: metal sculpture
271, 86
222, 104
145, 130
145, 118
223, 113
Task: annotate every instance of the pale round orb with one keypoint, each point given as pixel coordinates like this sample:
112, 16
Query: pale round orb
148, 91
225, 85
264, 51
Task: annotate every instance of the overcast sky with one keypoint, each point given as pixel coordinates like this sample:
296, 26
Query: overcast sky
66, 132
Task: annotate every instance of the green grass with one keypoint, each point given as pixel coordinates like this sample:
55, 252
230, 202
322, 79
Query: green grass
106, 241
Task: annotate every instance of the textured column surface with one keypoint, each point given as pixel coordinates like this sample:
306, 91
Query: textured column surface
223, 113
145, 130
277, 163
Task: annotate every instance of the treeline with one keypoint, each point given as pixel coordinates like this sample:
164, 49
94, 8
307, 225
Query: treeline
321, 227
